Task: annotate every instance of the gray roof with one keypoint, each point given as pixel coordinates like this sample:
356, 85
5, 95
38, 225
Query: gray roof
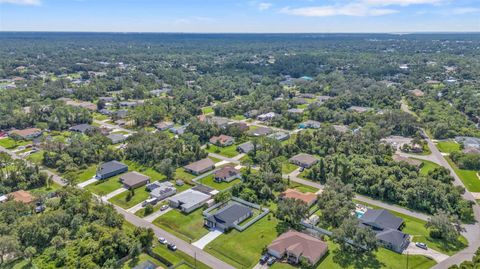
133, 178
111, 166
394, 237
82, 128
381, 218
200, 165
189, 198
260, 131
116, 138
229, 214
468, 142
246, 147
146, 265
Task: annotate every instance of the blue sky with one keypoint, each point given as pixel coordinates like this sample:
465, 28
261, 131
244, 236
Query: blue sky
240, 15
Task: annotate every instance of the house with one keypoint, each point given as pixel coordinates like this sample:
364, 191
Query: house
161, 190
471, 150
468, 142
226, 174
27, 134
297, 111
188, 200
117, 138
280, 136
387, 229
83, 128
245, 147
267, 116
227, 217
222, 140
164, 125
218, 121
260, 131
159, 92
178, 130
310, 124
359, 109
293, 245
200, 167
323, 98
106, 99
242, 126
340, 128
21, 196
307, 95
308, 198
399, 158
133, 180
110, 169
83, 104
128, 104
417, 93
303, 160
106, 112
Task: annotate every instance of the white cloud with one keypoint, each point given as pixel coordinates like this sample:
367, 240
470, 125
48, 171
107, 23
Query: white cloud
346, 10
264, 6
22, 2
401, 2
465, 10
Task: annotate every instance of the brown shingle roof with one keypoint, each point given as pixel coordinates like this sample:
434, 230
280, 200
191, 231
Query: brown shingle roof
226, 172
200, 165
22, 196
300, 244
308, 197
133, 178
26, 132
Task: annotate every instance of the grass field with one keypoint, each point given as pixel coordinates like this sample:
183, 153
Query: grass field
100, 117
141, 213
209, 181
148, 171
416, 228
243, 249
86, 174
427, 167
176, 257
121, 200
44, 190
238, 117
207, 110
36, 158
105, 186
189, 227
288, 167
448, 146
302, 188
180, 173
468, 177
9, 143
140, 259
229, 151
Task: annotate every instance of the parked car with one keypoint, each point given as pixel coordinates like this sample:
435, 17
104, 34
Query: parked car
162, 240
150, 201
164, 207
421, 245
264, 259
271, 261
171, 246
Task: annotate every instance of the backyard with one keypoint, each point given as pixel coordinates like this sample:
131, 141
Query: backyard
243, 249
188, 227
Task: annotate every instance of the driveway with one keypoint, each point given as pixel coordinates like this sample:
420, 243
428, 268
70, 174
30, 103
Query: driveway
155, 215
202, 242
88, 182
414, 250
135, 208
113, 193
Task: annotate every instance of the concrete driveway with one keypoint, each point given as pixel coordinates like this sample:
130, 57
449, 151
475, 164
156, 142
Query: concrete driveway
113, 193
414, 250
155, 215
88, 182
202, 242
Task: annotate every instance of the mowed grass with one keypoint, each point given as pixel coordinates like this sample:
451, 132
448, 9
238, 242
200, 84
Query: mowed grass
36, 158
382, 258
9, 143
148, 171
188, 227
302, 188
129, 264
468, 177
140, 195
243, 249
105, 186
416, 228
176, 257
288, 167
228, 151
448, 146
210, 181
181, 174
207, 110
86, 174
427, 167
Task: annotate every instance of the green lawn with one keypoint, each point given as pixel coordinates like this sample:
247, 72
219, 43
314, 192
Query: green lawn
105, 186
416, 228
302, 188
175, 257
100, 117
209, 181
383, 258
148, 171
36, 158
9, 143
229, 151
238, 117
288, 167
188, 227
141, 213
46, 189
180, 173
427, 167
121, 200
86, 174
468, 177
207, 110
243, 249
141, 258
448, 146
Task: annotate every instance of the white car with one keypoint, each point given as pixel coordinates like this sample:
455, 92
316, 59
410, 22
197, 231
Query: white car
162, 241
164, 207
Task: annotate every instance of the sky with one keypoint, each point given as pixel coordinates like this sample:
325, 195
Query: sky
244, 16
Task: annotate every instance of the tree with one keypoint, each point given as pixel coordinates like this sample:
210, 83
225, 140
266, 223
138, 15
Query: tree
355, 239
8, 245
290, 212
444, 226
167, 168
29, 253
148, 210
336, 202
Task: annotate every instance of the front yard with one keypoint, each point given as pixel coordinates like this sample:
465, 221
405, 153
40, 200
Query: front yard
302, 188
140, 195
228, 151
243, 249
188, 227
105, 186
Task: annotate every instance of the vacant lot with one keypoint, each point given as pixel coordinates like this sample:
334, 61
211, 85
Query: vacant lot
448, 146
468, 177
209, 181
9, 143
105, 186
189, 227
302, 188
243, 249
141, 258
427, 167
229, 151
121, 200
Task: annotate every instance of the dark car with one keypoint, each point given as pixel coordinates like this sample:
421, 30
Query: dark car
271, 261
421, 245
264, 259
171, 246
